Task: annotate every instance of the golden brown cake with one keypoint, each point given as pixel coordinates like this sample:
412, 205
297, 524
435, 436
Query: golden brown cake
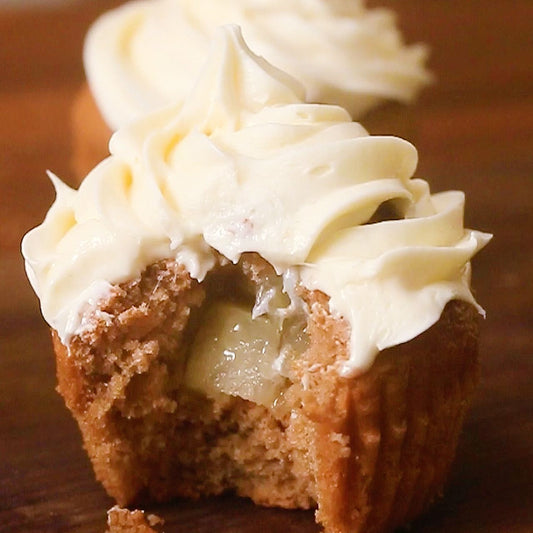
253, 294
125, 521
90, 134
371, 451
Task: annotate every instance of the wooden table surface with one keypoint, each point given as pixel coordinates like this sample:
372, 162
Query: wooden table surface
474, 131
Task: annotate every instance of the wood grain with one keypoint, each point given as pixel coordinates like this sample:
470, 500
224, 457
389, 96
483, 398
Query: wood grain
474, 131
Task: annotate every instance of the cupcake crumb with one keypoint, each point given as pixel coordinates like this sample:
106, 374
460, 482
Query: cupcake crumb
120, 520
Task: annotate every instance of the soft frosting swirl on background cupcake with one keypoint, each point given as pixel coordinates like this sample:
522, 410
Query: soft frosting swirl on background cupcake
147, 54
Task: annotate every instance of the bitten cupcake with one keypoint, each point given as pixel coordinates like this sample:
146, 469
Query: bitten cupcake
145, 55
252, 294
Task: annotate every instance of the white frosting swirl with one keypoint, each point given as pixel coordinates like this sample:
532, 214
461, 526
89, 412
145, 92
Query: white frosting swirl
244, 165
146, 54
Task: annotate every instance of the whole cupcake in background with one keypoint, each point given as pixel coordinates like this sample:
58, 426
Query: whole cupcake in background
145, 55
253, 294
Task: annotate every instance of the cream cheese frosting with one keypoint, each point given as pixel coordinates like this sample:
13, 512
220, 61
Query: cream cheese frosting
245, 165
146, 54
